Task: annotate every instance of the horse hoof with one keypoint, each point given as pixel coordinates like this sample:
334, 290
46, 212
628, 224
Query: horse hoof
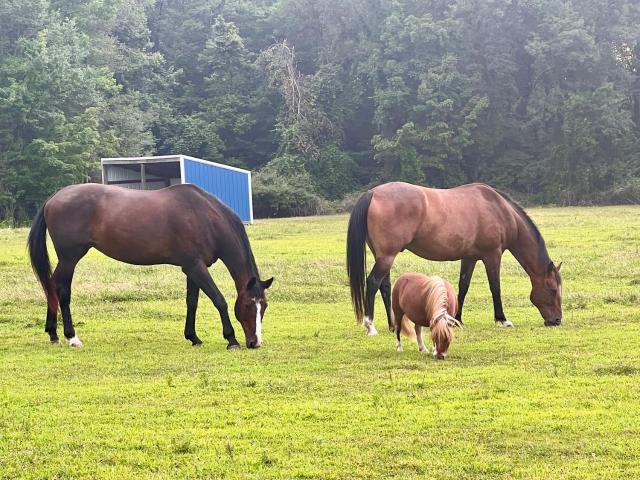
54, 342
233, 346
75, 342
371, 331
399, 348
504, 323
197, 344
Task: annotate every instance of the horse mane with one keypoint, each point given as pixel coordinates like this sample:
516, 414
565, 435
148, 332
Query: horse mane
533, 228
236, 226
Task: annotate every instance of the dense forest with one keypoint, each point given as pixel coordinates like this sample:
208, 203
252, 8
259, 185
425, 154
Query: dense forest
323, 98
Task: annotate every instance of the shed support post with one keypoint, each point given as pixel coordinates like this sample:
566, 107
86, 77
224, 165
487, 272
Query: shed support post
143, 176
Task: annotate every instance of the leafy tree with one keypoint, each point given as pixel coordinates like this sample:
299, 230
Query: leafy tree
540, 97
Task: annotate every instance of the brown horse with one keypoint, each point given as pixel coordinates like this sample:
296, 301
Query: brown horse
424, 302
469, 223
180, 225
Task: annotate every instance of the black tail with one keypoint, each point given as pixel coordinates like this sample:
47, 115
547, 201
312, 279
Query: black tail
357, 253
37, 245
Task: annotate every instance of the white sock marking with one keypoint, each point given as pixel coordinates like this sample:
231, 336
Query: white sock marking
398, 346
75, 342
504, 323
371, 329
258, 322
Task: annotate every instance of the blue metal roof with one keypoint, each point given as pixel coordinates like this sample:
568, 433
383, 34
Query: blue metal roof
231, 185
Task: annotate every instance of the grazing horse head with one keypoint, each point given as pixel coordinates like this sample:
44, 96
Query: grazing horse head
249, 309
441, 335
546, 295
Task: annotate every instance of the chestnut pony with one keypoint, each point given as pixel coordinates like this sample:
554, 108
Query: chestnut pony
424, 302
180, 225
469, 223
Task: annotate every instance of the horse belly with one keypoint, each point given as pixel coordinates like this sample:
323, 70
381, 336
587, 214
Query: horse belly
452, 247
138, 243
414, 310
134, 256
447, 241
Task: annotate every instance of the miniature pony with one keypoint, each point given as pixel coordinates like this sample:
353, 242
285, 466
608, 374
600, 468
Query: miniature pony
427, 302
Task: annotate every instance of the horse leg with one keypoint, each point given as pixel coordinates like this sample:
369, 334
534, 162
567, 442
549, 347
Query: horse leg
421, 347
379, 271
385, 291
51, 324
466, 272
201, 277
492, 265
192, 305
63, 278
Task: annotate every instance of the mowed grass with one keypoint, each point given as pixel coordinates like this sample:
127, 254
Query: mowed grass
321, 400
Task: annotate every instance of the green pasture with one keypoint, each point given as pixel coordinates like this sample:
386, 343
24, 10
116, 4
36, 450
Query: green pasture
320, 400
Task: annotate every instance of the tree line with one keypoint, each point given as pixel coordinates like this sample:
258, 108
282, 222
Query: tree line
323, 98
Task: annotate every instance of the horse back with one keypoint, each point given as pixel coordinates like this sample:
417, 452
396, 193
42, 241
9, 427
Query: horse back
469, 221
440, 224
133, 226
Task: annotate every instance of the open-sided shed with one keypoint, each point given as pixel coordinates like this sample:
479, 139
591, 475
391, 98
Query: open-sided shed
230, 184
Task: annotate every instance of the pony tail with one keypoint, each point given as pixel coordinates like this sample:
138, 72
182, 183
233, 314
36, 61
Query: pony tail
408, 329
356, 252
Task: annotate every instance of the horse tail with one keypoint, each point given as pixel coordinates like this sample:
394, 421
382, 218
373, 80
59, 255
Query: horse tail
356, 252
37, 245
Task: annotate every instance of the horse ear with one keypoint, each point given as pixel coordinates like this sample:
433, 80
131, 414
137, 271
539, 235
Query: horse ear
551, 267
252, 283
558, 267
266, 283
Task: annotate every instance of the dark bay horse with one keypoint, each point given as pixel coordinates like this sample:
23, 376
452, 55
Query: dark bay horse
180, 225
469, 223
419, 301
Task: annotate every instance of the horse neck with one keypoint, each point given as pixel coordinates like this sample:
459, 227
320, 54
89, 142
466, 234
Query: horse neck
530, 250
241, 269
238, 258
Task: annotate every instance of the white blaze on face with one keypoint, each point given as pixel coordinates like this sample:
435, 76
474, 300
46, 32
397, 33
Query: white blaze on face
258, 322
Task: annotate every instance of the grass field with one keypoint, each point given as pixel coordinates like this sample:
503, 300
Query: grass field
321, 400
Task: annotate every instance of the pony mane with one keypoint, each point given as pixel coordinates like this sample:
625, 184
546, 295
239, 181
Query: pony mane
436, 298
533, 228
436, 306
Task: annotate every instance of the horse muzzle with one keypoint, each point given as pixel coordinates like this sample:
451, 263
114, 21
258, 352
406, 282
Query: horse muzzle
552, 322
253, 343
